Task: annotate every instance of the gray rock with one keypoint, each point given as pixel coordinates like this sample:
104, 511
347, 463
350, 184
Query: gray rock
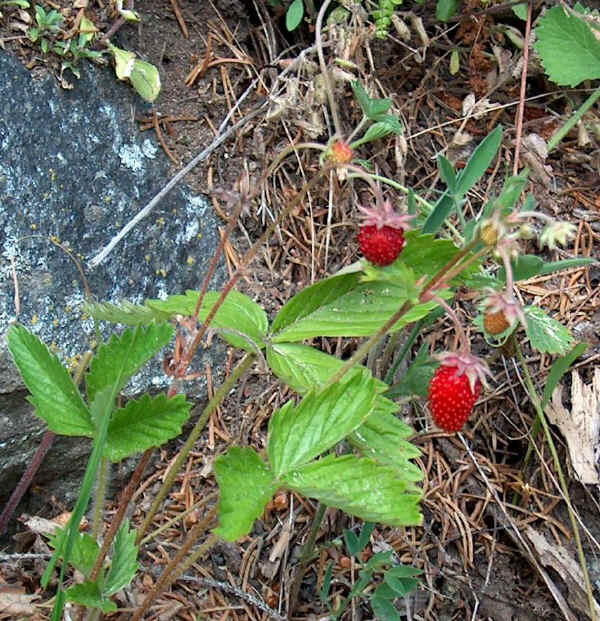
74, 169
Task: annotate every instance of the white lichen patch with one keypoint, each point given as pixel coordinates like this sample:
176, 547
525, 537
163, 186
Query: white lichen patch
149, 148
132, 157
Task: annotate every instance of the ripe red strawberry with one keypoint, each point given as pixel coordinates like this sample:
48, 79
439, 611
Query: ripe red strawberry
380, 246
381, 235
451, 398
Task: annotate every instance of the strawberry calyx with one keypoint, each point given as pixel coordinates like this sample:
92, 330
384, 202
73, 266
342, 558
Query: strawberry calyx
475, 369
386, 216
505, 303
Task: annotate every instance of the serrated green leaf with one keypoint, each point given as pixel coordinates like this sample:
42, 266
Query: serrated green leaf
145, 422
359, 312
446, 9
404, 571
359, 487
312, 298
84, 552
568, 48
545, 334
383, 438
558, 369
479, 161
145, 78
246, 486
124, 355
294, 15
88, 594
53, 393
124, 560
417, 377
323, 418
125, 313
240, 320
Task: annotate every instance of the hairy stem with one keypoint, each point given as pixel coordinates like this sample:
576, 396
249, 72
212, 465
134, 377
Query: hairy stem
211, 406
124, 500
306, 556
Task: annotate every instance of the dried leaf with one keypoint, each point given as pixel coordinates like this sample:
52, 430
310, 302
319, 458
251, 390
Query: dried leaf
15, 601
567, 568
581, 426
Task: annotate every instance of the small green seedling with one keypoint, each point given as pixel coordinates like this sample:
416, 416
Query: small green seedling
394, 580
47, 23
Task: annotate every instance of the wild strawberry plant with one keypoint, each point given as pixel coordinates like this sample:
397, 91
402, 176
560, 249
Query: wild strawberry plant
340, 441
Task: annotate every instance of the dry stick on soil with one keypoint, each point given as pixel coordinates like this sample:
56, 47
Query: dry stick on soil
173, 569
521, 108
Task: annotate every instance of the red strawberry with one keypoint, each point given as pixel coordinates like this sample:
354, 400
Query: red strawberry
454, 389
381, 246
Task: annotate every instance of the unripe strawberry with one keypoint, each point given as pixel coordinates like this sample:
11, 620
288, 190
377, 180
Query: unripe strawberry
495, 323
340, 152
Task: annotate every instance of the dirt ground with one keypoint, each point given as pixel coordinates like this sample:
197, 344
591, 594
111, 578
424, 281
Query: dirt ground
478, 559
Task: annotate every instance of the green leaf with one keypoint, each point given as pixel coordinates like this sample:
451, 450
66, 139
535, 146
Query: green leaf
365, 535
124, 355
372, 108
241, 321
53, 393
126, 313
568, 48
447, 173
383, 609
145, 78
546, 335
417, 377
294, 15
558, 369
124, 560
383, 438
246, 486
314, 297
359, 312
404, 571
479, 161
145, 422
520, 10
324, 592
440, 212
84, 552
351, 541
401, 586
359, 487
446, 9
88, 594
511, 192
321, 420
529, 265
